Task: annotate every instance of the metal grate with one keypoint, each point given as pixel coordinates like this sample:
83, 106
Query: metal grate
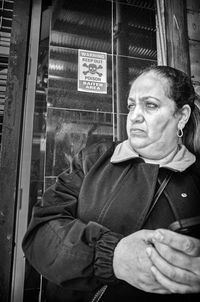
6, 15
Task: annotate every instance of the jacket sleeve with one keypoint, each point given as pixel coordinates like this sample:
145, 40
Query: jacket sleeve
61, 247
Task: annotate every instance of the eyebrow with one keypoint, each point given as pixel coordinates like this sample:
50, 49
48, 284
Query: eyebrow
144, 98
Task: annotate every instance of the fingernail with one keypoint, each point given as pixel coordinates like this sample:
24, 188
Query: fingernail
148, 250
158, 236
188, 246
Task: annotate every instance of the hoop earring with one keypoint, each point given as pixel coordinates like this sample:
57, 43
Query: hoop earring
179, 132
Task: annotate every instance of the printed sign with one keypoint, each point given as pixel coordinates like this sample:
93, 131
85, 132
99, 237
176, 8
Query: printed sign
92, 71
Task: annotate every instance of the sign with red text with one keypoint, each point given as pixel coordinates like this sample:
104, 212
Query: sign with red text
92, 71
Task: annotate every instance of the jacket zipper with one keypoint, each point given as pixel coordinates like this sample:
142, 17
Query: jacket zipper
99, 294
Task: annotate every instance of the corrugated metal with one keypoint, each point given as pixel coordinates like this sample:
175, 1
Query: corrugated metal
88, 25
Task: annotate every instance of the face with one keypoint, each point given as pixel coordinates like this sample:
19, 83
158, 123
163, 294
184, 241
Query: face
152, 122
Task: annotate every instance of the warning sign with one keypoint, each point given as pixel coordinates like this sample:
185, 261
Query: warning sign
92, 71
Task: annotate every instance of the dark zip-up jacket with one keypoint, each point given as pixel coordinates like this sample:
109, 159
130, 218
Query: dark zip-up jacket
75, 229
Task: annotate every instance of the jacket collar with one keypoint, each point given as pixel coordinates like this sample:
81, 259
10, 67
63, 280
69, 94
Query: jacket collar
181, 161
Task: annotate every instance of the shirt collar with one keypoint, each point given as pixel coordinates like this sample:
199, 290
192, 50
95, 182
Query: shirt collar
181, 161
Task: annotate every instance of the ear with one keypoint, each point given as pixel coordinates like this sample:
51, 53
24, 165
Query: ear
185, 113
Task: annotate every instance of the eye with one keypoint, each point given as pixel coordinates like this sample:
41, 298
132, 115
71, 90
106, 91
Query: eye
151, 105
131, 106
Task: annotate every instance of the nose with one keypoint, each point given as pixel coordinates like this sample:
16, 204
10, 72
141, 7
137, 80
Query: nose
136, 115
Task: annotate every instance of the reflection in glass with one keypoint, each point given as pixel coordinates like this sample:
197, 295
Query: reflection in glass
68, 131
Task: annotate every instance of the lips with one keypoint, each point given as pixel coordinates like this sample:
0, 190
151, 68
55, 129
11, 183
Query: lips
137, 131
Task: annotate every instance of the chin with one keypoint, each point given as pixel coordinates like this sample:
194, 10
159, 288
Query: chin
136, 143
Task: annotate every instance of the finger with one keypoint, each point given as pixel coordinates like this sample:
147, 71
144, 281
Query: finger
170, 271
173, 256
179, 259
186, 244
162, 291
172, 286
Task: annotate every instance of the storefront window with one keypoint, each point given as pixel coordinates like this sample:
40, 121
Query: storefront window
96, 49
89, 53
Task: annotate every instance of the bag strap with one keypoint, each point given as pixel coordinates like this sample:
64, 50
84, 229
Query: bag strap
161, 188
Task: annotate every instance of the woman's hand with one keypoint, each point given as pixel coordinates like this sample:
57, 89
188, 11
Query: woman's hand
132, 264
176, 261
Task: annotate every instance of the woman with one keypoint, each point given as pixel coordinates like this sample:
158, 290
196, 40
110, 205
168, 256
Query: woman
102, 228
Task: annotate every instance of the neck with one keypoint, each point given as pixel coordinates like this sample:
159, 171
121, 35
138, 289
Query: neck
163, 160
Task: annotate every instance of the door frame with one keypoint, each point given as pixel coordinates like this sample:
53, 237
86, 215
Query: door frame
26, 154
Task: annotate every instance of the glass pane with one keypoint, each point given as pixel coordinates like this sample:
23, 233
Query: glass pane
134, 29
63, 82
